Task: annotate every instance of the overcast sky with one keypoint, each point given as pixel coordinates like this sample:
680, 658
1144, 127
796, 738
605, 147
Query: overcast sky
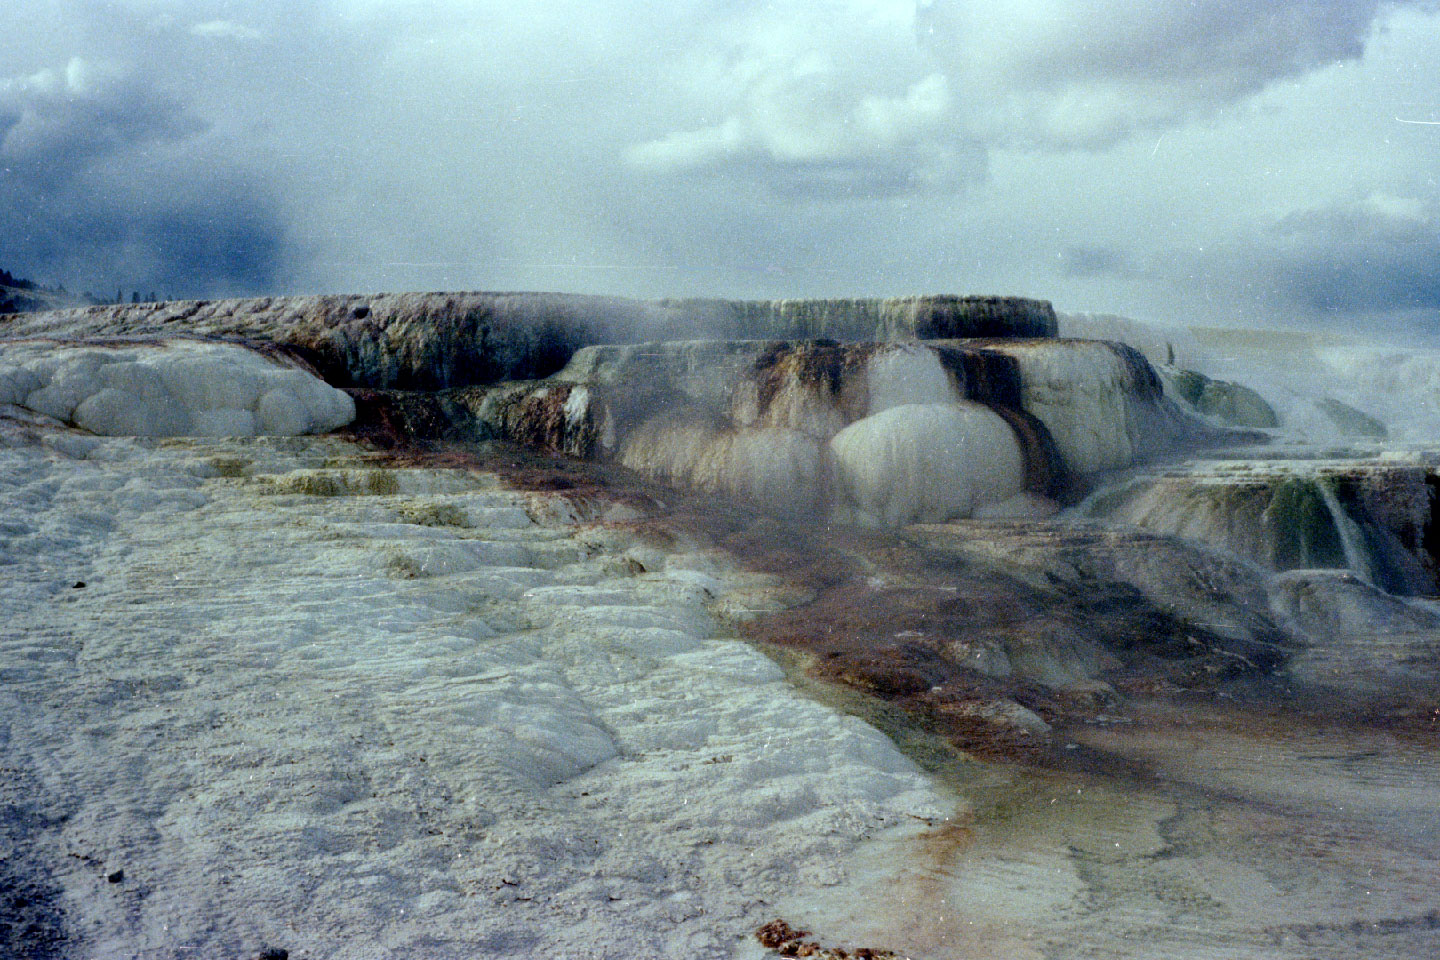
1196, 160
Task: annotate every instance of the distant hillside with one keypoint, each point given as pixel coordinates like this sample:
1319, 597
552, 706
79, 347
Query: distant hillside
18, 295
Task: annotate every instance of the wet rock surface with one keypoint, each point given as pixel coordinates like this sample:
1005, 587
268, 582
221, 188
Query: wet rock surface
1232, 403
962, 624
32, 917
1186, 758
1371, 516
324, 699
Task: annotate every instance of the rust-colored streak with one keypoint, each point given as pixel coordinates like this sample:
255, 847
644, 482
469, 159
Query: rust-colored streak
539, 420
823, 363
398, 420
983, 376
787, 941
1046, 474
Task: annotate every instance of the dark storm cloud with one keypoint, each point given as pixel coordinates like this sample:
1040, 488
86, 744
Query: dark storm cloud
55, 123
1056, 74
194, 232
1377, 256
106, 181
839, 178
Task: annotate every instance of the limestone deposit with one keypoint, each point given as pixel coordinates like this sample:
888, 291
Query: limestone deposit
925, 463
583, 664
752, 418
168, 388
1373, 518
1232, 403
434, 340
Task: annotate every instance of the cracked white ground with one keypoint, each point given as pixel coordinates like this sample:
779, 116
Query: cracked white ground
305, 704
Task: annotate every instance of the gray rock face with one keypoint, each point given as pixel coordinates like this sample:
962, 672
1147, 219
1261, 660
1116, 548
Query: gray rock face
1374, 519
1231, 403
1351, 421
1214, 601
428, 341
895, 318
1364, 647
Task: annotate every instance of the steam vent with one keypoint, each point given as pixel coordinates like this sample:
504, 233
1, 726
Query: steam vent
879, 412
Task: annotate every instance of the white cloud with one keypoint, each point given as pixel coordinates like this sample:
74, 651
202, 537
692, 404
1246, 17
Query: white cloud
790, 119
820, 98
911, 94
225, 30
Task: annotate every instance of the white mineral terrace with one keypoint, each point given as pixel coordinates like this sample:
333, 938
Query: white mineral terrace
289, 698
349, 712
167, 388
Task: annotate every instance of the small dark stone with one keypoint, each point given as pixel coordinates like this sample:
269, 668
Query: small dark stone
116, 877
274, 953
79, 585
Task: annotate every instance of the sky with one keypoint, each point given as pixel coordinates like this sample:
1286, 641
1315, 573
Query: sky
1199, 161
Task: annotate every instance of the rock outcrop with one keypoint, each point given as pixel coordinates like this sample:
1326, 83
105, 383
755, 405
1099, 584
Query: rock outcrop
429, 341
953, 427
1349, 421
918, 463
1231, 403
1375, 519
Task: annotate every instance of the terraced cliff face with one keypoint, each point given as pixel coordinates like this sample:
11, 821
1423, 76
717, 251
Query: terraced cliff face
910, 409
877, 433
429, 341
894, 318
1375, 518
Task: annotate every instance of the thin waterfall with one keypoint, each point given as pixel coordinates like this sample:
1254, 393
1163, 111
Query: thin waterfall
1352, 539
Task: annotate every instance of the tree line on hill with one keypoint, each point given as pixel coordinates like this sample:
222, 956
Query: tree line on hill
19, 295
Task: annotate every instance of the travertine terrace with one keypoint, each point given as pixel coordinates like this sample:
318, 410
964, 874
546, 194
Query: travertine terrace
520, 625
